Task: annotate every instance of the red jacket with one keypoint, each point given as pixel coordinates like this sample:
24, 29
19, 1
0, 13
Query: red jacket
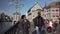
47, 25
54, 24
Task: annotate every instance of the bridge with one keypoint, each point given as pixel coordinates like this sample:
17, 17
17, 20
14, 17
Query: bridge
9, 28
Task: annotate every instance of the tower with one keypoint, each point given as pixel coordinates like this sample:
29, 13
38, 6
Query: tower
16, 15
45, 2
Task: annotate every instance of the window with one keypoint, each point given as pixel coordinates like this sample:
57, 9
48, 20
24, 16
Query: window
48, 10
33, 15
53, 15
56, 10
53, 10
38, 10
45, 15
57, 15
29, 14
33, 10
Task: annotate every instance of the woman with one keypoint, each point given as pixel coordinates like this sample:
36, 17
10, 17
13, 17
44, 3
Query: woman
25, 25
48, 26
54, 26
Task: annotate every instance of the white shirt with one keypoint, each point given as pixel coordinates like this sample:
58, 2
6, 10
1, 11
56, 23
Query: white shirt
51, 23
36, 27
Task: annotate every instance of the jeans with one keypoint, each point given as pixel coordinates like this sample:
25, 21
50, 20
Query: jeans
38, 30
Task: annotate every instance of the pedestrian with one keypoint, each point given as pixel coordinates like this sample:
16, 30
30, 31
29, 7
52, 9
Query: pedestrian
50, 22
48, 26
54, 26
25, 25
37, 30
39, 22
19, 29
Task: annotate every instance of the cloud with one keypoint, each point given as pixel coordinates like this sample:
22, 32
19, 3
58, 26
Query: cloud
12, 3
1, 11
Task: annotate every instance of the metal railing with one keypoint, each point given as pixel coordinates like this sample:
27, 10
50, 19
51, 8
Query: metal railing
12, 30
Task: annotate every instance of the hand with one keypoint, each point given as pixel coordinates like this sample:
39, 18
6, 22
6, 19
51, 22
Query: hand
25, 21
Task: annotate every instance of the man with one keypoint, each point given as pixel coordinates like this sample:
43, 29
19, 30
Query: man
38, 22
25, 25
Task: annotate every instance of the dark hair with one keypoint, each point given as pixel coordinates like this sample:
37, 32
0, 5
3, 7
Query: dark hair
39, 13
22, 17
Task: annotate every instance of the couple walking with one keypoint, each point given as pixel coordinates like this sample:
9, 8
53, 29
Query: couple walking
25, 24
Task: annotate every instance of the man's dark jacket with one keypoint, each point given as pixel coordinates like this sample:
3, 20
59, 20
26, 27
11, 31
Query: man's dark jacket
38, 21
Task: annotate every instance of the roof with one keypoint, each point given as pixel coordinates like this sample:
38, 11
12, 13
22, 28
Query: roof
16, 13
53, 4
29, 10
33, 6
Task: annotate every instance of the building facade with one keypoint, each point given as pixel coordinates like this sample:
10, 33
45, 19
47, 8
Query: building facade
32, 12
16, 17
52, 11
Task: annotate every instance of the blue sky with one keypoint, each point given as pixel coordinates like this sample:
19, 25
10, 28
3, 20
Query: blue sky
5, 5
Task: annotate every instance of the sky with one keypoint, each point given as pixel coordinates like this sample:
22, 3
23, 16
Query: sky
8, 6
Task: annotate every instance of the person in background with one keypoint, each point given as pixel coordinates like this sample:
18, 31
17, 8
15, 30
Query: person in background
54, 26
38, 22
25, 25
48, 26
50, 22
